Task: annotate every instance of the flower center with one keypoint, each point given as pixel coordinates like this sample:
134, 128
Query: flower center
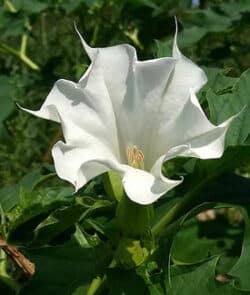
135, 157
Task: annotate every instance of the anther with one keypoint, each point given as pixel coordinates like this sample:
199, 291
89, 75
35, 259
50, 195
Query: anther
135, 157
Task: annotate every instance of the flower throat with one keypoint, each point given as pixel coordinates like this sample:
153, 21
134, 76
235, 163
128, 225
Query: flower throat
135, 157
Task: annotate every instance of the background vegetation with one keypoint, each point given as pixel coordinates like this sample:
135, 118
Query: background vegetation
63, 234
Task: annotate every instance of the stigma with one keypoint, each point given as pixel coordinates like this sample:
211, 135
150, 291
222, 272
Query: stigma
135, 157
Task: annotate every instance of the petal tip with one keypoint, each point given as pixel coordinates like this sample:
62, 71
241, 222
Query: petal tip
89, 50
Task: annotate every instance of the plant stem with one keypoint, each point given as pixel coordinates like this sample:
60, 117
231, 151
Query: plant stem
4, 275
23, 45
30, 63
95, 34
96, 285
180, 208
10, 6
22, 57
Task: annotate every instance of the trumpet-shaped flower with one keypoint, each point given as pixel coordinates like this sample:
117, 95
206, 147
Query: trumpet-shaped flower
131, 116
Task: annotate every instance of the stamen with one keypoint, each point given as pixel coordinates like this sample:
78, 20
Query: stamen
135, 157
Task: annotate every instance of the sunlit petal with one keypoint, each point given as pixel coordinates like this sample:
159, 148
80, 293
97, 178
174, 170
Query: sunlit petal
144, 188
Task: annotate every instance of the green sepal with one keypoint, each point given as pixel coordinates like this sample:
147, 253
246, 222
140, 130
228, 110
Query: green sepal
134, 220
130, 253
113, 185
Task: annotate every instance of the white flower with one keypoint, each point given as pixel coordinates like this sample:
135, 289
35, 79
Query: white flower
130, 116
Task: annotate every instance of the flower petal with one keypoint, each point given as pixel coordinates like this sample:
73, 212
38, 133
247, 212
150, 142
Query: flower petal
161, 89
135, 89
89, 50
161, 107
86, 112
78, 165
143, 94
151, 79
156, 170
192, 128
186, 75
144, 188
116, 65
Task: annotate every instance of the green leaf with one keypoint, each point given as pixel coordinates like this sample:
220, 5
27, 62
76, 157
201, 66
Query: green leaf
93, 205
34, 178
218, 81
234, 8
65, 270
10, 25
65, 217
71, 5
190, 36
207, 171
163, 48
124, 282
198, 279
206, 18
225, 105
239, 281
92, 3
83, 239
200, 245
198, 23
33, 207
57, 222
230, 188
240, 270
5, 289
130, 253
6, 103
9, 195
33, 6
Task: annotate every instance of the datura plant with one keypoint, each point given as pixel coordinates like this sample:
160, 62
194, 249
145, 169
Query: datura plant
131, 116
150, 191
124, 119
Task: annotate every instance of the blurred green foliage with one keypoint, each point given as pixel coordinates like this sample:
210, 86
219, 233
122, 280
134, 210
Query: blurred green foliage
66, 235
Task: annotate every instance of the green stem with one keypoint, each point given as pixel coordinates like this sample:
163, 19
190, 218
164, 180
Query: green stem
9, 49
4, 277
96, 285
224, 164
19, 55
2, 263
10, 6
30, 63
27, 24
95, 34
180, 208
23, 45
133, 36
